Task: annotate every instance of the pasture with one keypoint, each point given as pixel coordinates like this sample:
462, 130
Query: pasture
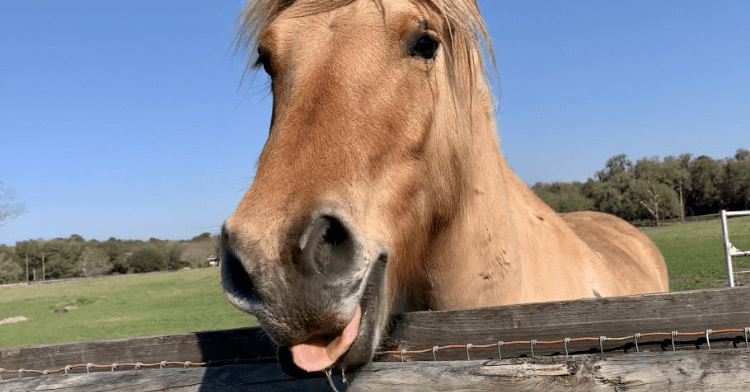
694, 252
192, 300
118, 306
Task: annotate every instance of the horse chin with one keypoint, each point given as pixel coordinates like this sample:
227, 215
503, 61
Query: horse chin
354, 346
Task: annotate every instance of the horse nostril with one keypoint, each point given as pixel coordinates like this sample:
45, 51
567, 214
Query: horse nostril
336, 235
329, 249
234, 278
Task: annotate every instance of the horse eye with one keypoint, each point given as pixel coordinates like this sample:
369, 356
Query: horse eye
425, 47
263, 61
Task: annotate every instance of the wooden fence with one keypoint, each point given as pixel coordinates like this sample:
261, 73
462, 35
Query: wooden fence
674, 221
677, 341
730, 250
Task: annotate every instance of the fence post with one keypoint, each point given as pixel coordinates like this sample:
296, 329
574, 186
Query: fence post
727, 247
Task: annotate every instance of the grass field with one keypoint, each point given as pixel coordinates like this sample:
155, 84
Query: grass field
192, 300
110, 307
694, 252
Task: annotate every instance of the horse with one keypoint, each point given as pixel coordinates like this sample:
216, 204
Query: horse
381, 188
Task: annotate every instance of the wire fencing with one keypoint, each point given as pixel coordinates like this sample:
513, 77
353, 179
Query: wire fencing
565, 342
112, 367
736, 335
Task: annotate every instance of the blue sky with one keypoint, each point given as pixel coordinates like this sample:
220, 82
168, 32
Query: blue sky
128, 119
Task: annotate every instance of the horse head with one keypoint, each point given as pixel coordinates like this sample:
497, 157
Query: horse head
361, 170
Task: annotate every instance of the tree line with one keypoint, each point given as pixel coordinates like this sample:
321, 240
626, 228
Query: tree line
649, 189
657, 189
73, 257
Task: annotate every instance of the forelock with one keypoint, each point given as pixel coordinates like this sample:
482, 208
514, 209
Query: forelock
466, 29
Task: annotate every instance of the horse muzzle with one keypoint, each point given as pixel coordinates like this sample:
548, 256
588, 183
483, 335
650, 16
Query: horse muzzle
321, 302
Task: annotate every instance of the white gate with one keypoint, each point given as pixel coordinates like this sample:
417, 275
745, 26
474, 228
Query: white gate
729, 249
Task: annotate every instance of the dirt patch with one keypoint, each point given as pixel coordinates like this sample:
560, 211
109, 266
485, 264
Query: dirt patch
12, 320
65, 309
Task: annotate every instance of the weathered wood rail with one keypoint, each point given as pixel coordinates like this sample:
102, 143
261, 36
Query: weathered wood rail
691, 366
690, 311
714, 370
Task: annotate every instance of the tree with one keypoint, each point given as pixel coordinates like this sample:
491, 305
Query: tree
202, 237
563, 197
63, 258
174, 258
609, 193
649, 169
677, 175
113, 247
31, 253
120, 264
146, 260
742, 154
217, 247
95, 262
653, 188
615, 166
737, 185
707, 178
9, 211
10, 269
657, 200
607, 197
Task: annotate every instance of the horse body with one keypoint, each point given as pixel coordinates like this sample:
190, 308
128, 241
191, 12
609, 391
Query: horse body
510, 247
382, 189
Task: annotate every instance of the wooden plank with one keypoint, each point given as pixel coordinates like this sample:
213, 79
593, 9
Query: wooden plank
612, 317
705, 370
692, 311
251, 344
233, 378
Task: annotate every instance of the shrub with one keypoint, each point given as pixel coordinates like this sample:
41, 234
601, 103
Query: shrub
174, 258
95, 262
10, 270
146, 260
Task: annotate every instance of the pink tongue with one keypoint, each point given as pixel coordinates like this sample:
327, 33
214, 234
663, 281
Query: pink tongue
315, 355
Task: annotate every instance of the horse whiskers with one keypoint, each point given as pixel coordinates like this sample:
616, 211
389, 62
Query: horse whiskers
343, 376
328, 373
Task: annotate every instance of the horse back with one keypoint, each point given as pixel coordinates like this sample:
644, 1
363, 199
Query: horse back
626, 252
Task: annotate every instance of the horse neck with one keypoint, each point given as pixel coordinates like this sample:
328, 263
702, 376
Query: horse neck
486, 240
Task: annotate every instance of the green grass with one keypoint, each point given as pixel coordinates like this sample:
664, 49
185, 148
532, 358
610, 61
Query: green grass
694, 252
118, 306
192, 300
